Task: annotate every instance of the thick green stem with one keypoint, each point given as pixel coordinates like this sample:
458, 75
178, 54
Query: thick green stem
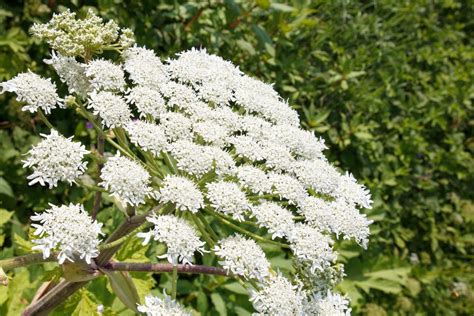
121, 240
174, 282
25, 260
203, 231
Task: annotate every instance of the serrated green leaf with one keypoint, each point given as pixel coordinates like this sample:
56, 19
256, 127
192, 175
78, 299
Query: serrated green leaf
4, 216
219, 304
85, 307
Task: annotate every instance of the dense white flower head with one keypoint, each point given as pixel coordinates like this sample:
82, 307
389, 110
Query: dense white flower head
182, 192
311, 247
147, 100
144, 67
155, 306
288, 187
176, 126
254, 179
338, 217
55, 159
247, 147
179, 95
105, 75
69, 230
35, 91
242, 256
317, 174
212, 132
226, 197
112, 108
333, 304
177, 234
351, 191
147, 136
277, 296
126, 180
211, 76
71, 72
190, 157
278, 220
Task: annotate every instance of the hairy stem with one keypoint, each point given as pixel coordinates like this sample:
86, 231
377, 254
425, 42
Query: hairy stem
21, 261
165, 268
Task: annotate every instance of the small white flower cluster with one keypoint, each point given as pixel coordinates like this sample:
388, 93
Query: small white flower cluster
329, 304
54, 159
177, 234
35, 91
155, 306
69, 229
126, 180
243, 256
182, 192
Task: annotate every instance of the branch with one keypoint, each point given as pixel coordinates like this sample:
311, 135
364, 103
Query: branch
164, 267
25, 260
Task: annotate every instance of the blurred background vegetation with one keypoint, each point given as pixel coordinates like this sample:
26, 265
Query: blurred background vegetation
388, 84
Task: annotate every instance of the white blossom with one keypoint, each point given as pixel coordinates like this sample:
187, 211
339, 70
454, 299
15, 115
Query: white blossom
35, 91
277, 157
212, 132
211, 76
179, 95
177, 234
311, 247
147, 100
278, 220
144, 67
254, 179
226, 197
182, 192
351, 191
176, 126
105, 75
148, 136
223, 162
112, 109
126, 179
68, 229
155, 306
191, 157
242, 256
277, 297
338, 217
54, 159
317, 174
71, 72
287, 187
247, 147
333, 304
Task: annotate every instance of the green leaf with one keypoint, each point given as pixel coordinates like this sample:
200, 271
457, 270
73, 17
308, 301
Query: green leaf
219, 304
85, 307
4, 216
235, 287
5, 188
21, 244
123, 286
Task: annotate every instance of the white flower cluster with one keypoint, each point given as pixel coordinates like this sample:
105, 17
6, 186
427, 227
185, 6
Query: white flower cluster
178, 235
277, 296
155, 306
126, 180
35, 91
69, 229
329, 304
182, 192
243, 256
55, 159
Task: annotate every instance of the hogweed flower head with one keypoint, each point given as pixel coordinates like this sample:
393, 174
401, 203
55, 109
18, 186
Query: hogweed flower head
55, 159
328, 303
243, 256
126, 179
35, 91
182, 192
155, 306
177, 234
68, 229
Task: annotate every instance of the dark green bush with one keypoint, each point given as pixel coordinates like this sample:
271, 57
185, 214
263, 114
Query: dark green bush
388, 84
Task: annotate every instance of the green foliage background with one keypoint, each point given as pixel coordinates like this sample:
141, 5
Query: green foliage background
388, 84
